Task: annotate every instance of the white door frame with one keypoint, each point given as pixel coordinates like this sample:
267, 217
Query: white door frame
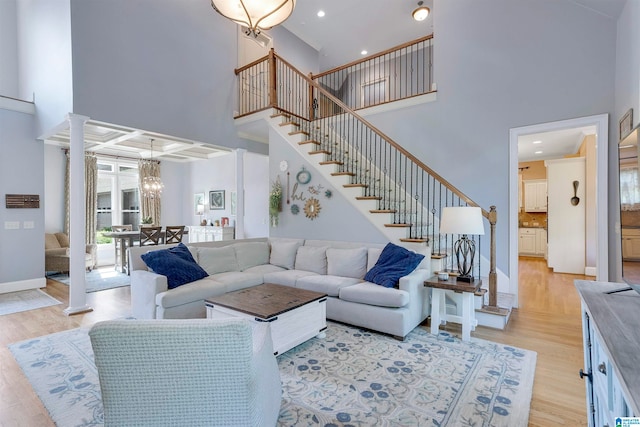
601, 122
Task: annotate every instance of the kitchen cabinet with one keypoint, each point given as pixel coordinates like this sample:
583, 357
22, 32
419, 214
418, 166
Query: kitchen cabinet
532, 241
630, 243
535, 195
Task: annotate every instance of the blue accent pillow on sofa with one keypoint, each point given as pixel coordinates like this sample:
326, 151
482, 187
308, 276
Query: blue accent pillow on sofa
176, 263
394, 263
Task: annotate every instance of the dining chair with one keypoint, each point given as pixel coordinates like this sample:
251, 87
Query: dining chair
120, 244
150, 236
173, 233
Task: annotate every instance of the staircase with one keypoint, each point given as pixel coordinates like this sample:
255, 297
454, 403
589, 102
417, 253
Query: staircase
400, 195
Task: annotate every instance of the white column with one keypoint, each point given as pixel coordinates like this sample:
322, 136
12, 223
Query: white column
240, 192
77, 283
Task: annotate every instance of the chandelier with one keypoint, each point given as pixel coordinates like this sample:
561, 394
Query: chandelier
256, 15
151, 185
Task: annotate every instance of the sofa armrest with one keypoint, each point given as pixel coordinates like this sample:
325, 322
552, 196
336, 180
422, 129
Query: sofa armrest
414, 281
145, 285
57, 252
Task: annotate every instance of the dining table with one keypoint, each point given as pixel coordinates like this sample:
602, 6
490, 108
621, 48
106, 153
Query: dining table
131, 238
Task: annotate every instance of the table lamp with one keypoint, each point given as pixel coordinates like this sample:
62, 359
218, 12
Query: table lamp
463, 220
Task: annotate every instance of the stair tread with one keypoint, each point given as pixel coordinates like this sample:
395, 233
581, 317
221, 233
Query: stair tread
368, 198
498, 311
320, 152
309, 141
354, 185
289, 123
397, 225
409, 240
273, 116
383, 211
343, 174
331, 162
298, 132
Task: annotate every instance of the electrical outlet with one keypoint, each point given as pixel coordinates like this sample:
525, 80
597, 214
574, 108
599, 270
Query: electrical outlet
12, 225
28, 225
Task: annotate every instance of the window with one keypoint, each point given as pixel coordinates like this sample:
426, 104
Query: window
118, 194
629, 189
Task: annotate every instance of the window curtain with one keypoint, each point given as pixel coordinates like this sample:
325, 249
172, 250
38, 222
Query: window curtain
90, 196
149, 206
629, 189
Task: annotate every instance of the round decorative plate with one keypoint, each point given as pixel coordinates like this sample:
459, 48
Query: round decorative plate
295, 209
284, 165
303, 177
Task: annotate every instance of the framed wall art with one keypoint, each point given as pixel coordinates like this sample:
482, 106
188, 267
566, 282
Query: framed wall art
198, 203
216, 199
626, 124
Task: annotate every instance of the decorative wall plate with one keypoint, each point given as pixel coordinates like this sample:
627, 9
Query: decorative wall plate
284, 165
312, 208
303, 177
295, 209
328, 194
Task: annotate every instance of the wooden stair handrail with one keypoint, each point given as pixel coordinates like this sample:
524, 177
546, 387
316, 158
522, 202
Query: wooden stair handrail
382, 135
370, 57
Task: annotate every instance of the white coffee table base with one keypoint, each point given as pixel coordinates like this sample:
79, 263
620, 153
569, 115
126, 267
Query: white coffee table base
288, 329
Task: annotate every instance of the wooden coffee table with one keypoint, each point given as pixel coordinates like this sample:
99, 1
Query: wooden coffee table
294, 315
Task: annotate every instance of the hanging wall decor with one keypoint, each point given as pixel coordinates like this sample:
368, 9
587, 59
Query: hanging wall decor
295, 209
315, 189
312, 208
275, 201
328, 194
304, 176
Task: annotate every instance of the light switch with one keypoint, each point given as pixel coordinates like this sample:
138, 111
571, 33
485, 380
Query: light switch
28, 224
12, 225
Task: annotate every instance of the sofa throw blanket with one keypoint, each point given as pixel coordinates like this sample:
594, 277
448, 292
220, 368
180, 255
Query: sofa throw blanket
394, 263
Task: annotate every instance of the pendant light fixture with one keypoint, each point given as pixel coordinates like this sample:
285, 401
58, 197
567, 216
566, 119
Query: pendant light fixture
151, 185
421, 12
256, 15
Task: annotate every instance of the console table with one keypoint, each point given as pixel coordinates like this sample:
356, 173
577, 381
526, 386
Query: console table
611, 336
439, 308
210, 233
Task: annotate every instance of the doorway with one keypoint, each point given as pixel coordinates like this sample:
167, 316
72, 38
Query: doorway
600, 122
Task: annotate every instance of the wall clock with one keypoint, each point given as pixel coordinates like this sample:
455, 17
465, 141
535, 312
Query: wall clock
284, 165
303, 177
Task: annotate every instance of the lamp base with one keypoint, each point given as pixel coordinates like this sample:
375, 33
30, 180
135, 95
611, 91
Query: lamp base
466, 279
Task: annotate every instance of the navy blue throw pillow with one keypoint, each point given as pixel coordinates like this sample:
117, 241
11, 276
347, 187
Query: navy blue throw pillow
394, 263
176, 263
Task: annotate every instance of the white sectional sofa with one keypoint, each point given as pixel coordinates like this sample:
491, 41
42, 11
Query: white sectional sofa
332, 267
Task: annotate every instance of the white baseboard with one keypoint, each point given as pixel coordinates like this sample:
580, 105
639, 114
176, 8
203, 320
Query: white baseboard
23, 285
590, 271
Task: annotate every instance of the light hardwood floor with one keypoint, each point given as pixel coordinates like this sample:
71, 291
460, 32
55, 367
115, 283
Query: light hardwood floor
548, 322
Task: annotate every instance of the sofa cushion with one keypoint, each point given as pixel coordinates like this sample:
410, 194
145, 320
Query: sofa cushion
250, 254
329, 285
394, 263
372, 294
63, 238
263, 269
283, 253
194, 291
234, 280
286, 277
347, 262
176, 263
218, 260
312, 258
51, 242
372, 257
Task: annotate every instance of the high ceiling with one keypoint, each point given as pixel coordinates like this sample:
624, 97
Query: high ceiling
349, 26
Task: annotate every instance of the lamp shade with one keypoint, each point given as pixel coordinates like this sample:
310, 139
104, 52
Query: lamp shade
461, 220
257, 15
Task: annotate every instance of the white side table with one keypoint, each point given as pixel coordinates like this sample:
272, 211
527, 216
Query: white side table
438, 307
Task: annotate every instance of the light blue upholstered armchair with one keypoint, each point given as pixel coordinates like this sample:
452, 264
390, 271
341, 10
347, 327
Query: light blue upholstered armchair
196, 372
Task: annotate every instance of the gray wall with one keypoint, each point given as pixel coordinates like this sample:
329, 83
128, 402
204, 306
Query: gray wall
21, 172
8, 49
44, 54
496, 69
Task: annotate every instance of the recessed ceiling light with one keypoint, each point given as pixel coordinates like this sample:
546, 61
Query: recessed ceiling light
537, 142
538, 152
320, 13
364, 52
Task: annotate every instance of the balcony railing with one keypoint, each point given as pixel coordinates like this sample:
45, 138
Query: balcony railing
405, 188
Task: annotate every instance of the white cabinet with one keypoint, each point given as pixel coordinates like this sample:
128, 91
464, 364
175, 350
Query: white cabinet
532, 241
535, 195
201, 233
611, 380
630, 243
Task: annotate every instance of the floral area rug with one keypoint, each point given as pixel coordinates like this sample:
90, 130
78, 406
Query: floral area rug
352, 377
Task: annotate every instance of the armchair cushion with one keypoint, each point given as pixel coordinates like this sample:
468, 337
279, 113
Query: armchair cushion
176, 263
394, 262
